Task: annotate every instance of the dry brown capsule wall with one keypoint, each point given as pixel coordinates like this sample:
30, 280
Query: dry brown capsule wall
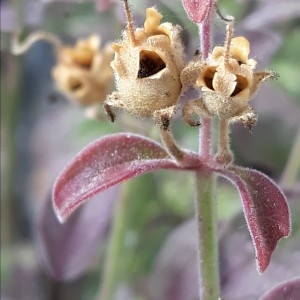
147, 66
83, 72
227, 80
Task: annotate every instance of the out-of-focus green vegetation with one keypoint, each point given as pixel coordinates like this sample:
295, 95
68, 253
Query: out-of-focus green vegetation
286, 63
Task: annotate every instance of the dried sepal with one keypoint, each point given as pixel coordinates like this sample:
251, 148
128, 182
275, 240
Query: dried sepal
147, 66
228, 81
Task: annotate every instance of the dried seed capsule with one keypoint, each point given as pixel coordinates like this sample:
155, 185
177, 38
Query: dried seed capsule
147, 66
83, 72
228, 81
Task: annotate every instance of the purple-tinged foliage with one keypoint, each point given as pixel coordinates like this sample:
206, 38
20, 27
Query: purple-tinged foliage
265, 32
114, 159
238, 266
173, 275
104, 163
68, 250
197, 10
265, 208
287, 290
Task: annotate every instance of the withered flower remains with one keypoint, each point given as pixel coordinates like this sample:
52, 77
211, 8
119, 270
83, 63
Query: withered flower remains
228, 81
83, 72
147, 66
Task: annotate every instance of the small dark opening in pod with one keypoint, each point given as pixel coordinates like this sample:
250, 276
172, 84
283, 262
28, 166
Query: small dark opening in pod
241, 84
150, 64
209, 76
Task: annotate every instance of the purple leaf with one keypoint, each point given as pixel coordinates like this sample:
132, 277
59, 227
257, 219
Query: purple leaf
238, 272
104, 163
68, 250
197, 10
265, 208
287, 290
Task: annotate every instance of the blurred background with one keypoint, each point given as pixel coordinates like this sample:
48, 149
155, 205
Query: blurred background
155, 255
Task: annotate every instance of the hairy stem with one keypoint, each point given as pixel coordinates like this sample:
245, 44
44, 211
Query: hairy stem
209, 286
205, 34
224, 135
229, 32
205, 138
171, 145
205, 133
207, 237
130, 26
182, 157
224, 155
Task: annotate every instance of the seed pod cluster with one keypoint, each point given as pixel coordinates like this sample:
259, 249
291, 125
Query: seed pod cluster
147, 66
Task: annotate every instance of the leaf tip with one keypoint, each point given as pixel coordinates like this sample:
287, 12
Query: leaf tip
57, 211
265, 208
62, 212
263, 258
261, 266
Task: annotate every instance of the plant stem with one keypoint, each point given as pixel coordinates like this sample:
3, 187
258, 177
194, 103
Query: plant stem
209, 286
205, 132
224, 155
205, 138
171, 146
205, 30
113, 255
207, 237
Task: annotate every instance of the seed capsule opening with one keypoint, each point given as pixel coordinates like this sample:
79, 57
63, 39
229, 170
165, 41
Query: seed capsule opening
150, 64
209, 76
241, 84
